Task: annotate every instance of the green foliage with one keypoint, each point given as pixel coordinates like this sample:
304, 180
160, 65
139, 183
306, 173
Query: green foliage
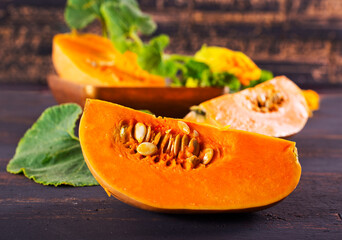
50, 153
265, 75
197, 74
223, 79
79, 13
125, 22
150, 55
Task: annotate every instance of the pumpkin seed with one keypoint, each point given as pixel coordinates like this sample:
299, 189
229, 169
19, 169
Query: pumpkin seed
156, 139
261, 100
176, 145
139, 132
208, 155
148, 134
196, 134
169, 146
194, 146
275, 98
184, 127
185, 142
147, 149
124, 132
164, 142
191, 162
268, 104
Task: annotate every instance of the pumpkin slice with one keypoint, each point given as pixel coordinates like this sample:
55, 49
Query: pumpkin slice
91, 59
276, 108
174, 165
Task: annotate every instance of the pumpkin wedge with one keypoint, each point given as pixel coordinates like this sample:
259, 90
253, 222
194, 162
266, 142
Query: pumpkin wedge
91, 59
174, 165
276, 108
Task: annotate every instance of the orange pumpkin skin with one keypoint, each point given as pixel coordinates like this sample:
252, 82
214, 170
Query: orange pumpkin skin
91, 59
241, 110
248, 171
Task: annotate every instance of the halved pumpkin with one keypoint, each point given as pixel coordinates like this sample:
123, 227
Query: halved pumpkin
91, 59
174, 165
276, 108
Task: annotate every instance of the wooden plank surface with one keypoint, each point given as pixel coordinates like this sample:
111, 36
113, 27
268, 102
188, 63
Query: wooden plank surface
29, 210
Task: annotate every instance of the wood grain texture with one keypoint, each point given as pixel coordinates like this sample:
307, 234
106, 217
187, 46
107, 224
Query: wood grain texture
172, 102
301, 39
29, 210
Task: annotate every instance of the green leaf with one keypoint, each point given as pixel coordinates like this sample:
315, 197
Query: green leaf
79, 13
195, 69
50, 153
143, 22
265, 75
124, 20
150, 57
132, 3
196, 72
223, 79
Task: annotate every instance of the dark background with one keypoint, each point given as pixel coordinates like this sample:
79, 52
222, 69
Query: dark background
301, 39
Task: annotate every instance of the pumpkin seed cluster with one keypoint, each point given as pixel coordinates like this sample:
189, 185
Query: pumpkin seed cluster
269, 100
172, 149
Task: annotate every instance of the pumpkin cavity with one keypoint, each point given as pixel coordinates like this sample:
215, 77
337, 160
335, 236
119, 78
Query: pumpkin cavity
267, 100
174, 147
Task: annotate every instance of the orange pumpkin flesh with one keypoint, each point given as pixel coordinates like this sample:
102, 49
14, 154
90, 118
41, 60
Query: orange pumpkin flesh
91, 59
287, 114
248, 171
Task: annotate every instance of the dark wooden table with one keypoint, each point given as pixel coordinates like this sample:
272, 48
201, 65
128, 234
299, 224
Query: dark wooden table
32, 211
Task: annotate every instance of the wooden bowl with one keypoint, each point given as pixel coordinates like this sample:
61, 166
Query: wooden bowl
162, 101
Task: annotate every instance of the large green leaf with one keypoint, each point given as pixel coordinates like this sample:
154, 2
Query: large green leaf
124, 21
50, 153
151, 54
79, 13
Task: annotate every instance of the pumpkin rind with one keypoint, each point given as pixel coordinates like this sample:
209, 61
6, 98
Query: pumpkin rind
248, 171
237, 110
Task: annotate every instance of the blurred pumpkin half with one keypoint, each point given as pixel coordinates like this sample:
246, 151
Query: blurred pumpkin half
276, 108
91, 59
